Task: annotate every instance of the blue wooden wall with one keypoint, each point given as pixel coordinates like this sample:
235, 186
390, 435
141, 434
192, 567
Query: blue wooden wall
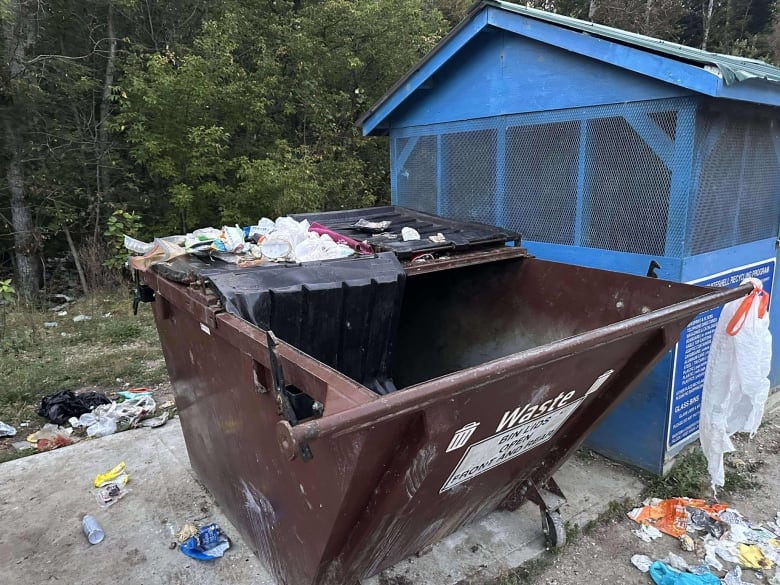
499, 73
502, 72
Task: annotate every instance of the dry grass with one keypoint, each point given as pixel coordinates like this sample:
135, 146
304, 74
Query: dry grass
112, 348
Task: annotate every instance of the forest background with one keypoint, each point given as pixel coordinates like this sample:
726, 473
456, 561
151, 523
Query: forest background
154, 117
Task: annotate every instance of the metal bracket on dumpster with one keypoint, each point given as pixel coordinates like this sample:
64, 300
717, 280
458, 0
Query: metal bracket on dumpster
282, 403
143, 293
287, 398
550, 497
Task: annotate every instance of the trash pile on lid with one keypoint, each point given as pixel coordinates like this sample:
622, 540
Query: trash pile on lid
283, 240
720, 537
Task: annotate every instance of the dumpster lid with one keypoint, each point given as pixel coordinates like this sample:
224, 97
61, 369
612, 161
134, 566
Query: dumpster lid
459, 236
342, 312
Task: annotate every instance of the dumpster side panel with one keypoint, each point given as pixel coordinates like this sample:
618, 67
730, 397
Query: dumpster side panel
456, 320
389, 475
469, 452
289, 511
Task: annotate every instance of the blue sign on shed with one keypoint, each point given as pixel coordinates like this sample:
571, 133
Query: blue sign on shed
603, 148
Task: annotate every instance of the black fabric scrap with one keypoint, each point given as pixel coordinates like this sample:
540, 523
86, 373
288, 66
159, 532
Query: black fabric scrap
62, 405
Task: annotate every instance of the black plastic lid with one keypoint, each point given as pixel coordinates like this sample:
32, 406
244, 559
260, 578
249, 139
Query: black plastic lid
459, 236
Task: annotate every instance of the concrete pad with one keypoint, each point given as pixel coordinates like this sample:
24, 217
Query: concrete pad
43, 498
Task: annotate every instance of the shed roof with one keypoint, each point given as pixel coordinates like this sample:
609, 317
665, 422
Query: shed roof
713, 74
732, 68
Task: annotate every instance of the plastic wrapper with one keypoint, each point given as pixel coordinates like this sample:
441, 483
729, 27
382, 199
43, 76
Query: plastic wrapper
642, 562
671, 516
752, 557
6, 430
111, 486
736, 383
108, 416
676, 562
109, 494
647, 533
662, 574
316, 247
207, 544
264, 227
162, 251
359, 247
283, 240
276, 247
710, 553
371, 227
155, 422
231, 239
137, 246
101, 428
294, 231
734, 577
409, 234
103, 478
51, 437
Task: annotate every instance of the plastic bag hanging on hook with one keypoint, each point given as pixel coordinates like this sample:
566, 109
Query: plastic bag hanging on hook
736, 382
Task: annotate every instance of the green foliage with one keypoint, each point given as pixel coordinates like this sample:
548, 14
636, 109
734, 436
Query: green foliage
752, 48
226, 111
256, 117
119, 331
687, 478
7, 291
7, 296
119, 224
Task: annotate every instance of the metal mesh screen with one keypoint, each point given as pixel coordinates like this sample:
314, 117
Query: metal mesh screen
469, 175
736, 197
666, 121
541, 181
626, 189
599, 177
416, 177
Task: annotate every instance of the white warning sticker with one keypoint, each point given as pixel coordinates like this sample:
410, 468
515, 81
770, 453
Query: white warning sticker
508, 444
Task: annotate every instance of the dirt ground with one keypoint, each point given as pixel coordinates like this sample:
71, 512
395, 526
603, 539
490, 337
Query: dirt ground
602, 554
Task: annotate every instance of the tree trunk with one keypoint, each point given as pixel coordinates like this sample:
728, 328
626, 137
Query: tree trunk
592, 7
648, 14
707, 22
28, 273
76, 260
102, 173
18, 37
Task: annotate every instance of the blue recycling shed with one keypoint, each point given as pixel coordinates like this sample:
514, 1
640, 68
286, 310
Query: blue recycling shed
607, 149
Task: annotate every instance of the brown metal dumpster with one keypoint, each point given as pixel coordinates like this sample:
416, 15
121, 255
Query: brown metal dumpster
491, 369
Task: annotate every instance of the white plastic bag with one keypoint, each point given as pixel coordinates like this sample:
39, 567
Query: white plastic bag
6, 430
736, 383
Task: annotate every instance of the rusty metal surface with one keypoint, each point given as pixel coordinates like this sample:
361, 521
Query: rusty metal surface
424, 265
526, 357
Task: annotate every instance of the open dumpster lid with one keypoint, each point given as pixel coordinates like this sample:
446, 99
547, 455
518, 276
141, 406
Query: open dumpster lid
459, 236
344, 312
